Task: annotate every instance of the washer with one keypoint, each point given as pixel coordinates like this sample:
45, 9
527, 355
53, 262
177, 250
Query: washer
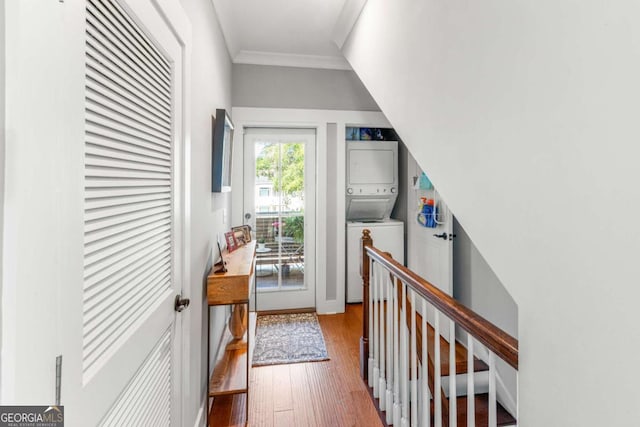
387, 235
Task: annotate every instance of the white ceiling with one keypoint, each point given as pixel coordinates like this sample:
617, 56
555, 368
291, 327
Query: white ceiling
282, 32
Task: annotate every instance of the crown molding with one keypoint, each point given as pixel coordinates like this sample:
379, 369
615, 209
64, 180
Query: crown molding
291, 60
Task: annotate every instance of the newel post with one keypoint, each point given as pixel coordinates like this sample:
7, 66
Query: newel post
367, 241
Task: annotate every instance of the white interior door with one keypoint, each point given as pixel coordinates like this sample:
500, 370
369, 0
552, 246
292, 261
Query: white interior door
125, 365
429, 250
279, 204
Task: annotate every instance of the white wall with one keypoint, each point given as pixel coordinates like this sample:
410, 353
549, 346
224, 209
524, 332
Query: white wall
43, 217
211, 89
2, 130
476, 286
292, 87
524, 114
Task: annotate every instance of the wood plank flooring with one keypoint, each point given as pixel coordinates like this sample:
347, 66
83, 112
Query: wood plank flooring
317, 394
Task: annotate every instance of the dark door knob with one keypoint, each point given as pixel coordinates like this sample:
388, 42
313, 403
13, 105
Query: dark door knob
443, 236
181, 303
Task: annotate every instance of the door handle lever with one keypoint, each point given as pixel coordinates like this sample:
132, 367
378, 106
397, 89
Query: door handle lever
443, 236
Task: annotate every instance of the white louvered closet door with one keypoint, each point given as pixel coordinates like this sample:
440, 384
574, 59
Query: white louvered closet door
129, 363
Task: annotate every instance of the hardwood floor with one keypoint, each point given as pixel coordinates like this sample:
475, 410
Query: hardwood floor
316, 394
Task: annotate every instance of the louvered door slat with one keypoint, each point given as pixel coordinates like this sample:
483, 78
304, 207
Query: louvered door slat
117, 314
98, 71
105, 35
98, 106
147, 399
97, 194
143, 43
101, 123
117, 258
101, 286
130, 208
110, 162
113, 242
127, 291
104, 51
116, 101
121, 321
125, 155
98, 135
103, 224
129, 197
121, 29
105, 202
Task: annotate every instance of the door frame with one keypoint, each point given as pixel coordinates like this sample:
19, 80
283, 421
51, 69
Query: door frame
270, 297
328, 301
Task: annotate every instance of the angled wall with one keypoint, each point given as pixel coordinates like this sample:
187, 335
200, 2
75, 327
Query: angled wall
524, 114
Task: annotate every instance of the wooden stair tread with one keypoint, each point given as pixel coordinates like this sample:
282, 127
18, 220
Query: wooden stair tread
504, 418
461, 355
461, 350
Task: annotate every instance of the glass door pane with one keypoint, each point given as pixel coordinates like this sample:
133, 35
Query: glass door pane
279, 209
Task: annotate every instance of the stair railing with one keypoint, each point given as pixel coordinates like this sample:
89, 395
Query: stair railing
395, 357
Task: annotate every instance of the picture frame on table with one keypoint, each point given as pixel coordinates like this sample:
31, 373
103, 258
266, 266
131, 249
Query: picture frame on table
242, 234
230, 238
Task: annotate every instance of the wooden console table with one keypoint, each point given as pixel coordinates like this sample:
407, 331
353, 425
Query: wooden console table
234, 287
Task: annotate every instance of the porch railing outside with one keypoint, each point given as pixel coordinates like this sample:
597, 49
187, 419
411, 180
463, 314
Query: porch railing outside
404, 319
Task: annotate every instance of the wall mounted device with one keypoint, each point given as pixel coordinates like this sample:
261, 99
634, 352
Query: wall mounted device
372, 179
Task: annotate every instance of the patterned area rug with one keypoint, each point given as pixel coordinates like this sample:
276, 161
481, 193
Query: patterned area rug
288, 338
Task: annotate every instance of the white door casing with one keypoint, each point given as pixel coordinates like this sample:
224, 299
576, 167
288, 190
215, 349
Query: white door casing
298, 298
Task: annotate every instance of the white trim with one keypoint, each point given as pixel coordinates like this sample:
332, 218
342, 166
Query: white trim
346, 20
291, 60
285, 117
200, 419
176, 19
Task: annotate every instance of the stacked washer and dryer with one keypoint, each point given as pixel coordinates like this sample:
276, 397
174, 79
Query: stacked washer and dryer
372, 189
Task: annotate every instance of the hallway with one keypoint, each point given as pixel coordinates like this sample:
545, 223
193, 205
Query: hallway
318, 394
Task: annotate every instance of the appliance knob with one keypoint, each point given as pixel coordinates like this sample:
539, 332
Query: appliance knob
393, 189
349, 190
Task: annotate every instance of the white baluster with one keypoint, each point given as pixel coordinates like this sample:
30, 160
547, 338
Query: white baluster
389, 345
471, 393
437, 396
371, 337
404, 422
426, 400
493, 416
382, 392
453, 413
376, 306
414, 362
397, 360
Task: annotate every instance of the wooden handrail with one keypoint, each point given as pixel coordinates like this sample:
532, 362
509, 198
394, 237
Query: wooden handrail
495, 339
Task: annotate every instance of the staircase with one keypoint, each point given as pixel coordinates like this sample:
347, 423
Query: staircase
416, 377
